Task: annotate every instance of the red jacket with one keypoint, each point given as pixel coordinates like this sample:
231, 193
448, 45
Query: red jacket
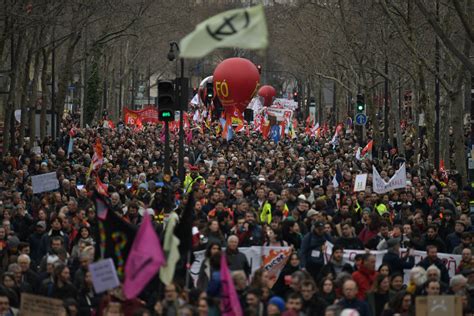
366, 234
364, 279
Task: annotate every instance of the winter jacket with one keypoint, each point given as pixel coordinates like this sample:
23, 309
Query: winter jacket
452, 241
364, 279
397, 264
360, 306
237, 261
426, 262
350, 243
311, 253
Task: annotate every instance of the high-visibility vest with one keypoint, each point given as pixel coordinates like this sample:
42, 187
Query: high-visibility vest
266, 214
189, 181
381, 208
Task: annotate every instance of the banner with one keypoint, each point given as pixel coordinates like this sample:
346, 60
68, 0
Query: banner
398, 181
271, 258
268, 257
280, 114
146, 115
285, 104
360, 182
45, 182
451, 261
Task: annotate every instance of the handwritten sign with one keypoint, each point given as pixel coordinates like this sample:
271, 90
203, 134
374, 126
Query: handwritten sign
35, 305
104, 275
360, 182
45, 182
440, 305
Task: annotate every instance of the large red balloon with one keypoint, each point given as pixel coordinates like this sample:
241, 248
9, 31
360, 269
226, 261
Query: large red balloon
235, 83
267, 93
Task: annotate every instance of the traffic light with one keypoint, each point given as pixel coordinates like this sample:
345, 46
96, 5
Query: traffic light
360, 104
295, 96
209, 93
166, 102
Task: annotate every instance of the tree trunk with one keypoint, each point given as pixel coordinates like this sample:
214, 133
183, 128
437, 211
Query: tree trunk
395, 113
24, 92
33, 98
458, 132
9, 129
65, 76
45, 93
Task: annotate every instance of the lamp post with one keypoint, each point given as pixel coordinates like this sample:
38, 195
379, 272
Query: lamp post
179, 87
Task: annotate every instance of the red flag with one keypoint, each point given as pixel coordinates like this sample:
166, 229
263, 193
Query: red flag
265, 129
98, 158
367, 148
145, 259
443, 173
101, 187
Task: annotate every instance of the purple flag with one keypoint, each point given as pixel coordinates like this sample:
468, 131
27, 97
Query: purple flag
230, 304
145, 259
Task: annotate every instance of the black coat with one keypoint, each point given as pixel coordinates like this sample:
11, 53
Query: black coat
397, 264
425, 263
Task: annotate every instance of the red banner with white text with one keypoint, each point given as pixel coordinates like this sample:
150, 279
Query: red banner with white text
146, 115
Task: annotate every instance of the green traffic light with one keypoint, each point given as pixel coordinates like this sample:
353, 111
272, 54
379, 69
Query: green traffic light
166, 114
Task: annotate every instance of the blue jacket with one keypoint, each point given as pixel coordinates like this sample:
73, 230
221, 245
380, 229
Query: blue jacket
311, 249
452, 241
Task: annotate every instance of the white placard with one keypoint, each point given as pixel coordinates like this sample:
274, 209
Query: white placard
36, 150
397, 181
104, 275
360, 182
281, 114
45, 182
285, 103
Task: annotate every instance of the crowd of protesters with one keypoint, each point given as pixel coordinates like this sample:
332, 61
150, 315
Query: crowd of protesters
249, 191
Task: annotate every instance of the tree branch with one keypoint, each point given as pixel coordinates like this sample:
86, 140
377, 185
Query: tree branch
443, 36
465, 20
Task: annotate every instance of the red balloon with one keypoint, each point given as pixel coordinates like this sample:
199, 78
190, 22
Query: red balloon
235, 83
267, 93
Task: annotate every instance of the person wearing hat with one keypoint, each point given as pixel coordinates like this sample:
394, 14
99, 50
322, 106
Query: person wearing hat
454, 239
312, 249
192, 178
392, 258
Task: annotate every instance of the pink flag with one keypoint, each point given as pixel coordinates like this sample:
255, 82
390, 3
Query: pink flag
230, 304
144, 260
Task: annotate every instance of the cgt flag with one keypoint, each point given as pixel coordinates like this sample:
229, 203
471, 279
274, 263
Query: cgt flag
243, 28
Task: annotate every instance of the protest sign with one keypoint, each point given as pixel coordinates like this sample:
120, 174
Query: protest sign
438, 305
280, 114
35, 305
398, 181
285, 103
360, 182
104, 275
36, 150
271, 257
45, 182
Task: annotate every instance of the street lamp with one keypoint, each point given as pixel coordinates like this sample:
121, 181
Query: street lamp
180, 86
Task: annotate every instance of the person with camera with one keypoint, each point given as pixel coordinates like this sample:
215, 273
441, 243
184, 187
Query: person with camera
312, 249
393, 259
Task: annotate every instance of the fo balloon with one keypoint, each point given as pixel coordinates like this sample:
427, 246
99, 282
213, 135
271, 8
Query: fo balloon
267, 93
235, 83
